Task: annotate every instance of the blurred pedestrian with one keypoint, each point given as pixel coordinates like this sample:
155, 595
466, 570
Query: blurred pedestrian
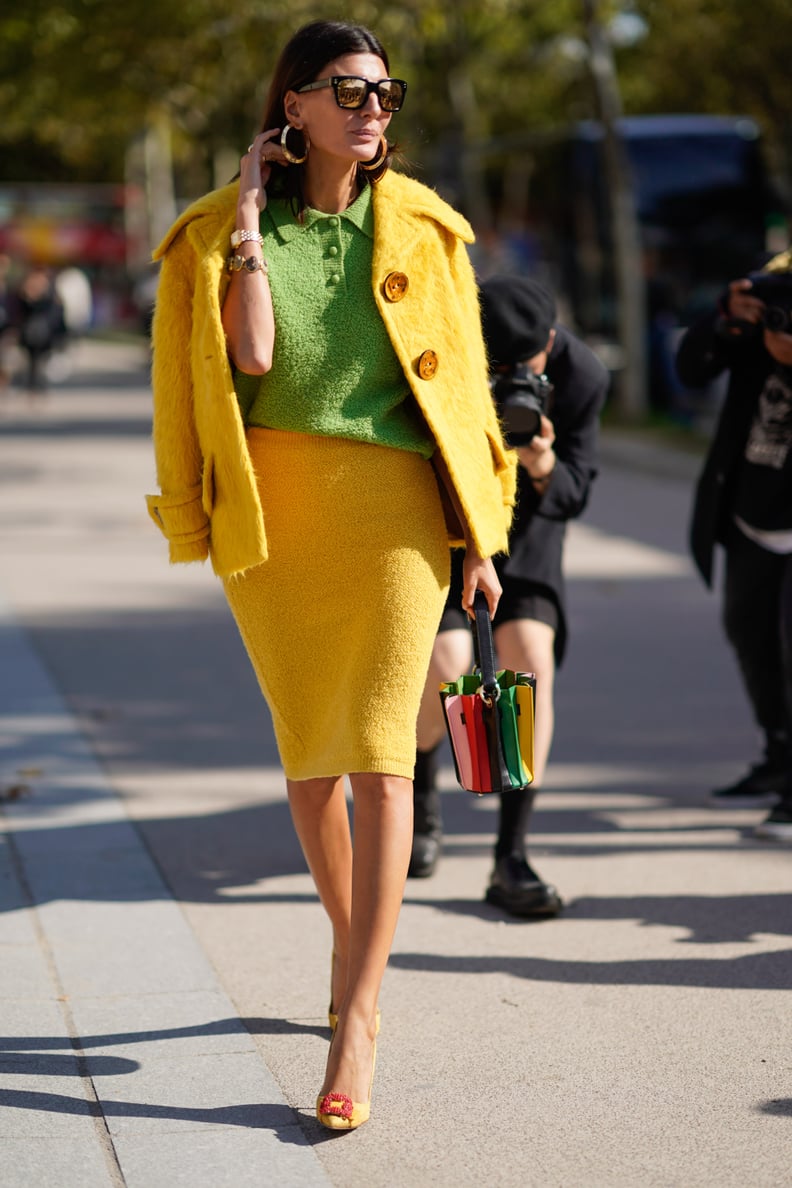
744, 503
541, 370
6, 318
41, 325
76, 297
318, 359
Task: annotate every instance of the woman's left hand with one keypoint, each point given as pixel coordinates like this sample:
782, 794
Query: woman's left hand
255, 167
478, 573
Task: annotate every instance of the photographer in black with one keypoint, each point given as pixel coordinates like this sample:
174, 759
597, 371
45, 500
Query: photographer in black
549, 388
744, 503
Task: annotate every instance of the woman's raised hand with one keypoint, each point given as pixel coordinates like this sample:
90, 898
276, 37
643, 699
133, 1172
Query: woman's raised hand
256, 167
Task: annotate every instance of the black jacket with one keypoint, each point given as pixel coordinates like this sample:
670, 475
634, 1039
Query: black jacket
536, 542
705, 351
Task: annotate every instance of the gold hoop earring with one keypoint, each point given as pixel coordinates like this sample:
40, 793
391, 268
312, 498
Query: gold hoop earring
288, 154
384, 149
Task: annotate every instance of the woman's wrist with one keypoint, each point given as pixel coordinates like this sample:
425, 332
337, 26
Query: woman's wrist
247, 218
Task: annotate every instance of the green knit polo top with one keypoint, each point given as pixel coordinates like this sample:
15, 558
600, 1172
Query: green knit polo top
334, 371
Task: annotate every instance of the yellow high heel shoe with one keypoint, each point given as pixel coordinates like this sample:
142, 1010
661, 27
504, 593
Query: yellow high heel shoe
332, 1016
337, 1111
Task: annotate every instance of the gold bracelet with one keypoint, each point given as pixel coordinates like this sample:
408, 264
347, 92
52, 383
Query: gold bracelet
240, 237
252, 264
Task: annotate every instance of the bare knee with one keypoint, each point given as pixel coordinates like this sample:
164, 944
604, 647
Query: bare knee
380, 798
527, 646
314, 792
377, 786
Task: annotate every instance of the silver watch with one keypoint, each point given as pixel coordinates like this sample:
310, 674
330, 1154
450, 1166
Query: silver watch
251, 264
238, 237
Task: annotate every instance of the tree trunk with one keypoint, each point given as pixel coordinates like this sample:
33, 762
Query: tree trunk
158, 165
631, 392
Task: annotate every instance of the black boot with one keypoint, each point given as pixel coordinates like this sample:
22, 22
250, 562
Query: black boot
762, 781
515, 886
427, 823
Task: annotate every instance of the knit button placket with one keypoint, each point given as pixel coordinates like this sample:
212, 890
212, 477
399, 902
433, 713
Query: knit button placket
332, 252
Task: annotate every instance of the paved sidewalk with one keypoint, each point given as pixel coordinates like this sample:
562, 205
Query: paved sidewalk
163, 961
105, 990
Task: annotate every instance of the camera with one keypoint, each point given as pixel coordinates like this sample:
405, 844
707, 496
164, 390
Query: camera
775, 290
521, 397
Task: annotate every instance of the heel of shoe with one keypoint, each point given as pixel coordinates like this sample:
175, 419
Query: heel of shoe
332, 1019
332, 1016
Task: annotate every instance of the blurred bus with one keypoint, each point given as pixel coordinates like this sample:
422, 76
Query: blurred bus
704, 205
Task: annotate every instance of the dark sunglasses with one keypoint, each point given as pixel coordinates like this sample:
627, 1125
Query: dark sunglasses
353, 92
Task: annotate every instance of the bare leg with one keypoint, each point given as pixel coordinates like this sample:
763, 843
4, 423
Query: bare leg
452, 655
527, 646
321, 820
383, 837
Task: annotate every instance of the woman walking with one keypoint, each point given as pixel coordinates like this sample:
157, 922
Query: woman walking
323, 429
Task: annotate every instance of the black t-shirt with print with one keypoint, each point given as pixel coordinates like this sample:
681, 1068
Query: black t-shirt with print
763, 496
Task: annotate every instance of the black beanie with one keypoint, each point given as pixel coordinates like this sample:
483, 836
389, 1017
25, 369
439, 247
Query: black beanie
517, 316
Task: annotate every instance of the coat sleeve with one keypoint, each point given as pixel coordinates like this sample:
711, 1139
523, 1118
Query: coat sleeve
178, 510
704, 353
577, 445
440, 316
465, 288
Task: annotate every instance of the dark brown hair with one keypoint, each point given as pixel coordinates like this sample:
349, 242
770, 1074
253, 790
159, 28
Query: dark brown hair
301, 61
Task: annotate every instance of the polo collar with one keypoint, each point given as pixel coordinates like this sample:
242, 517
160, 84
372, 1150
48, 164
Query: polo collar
360, 214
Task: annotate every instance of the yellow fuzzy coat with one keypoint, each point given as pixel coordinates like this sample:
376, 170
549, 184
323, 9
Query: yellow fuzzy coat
209, 505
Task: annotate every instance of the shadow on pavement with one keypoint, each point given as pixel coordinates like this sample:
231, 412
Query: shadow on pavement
254, 1026
279, 1118
709, 919
781, 1107
760, 971
159, 690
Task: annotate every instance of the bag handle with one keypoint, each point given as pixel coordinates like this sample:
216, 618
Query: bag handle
484, 648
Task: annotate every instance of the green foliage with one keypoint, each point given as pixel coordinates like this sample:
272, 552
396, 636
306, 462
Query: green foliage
81, 79
721, 57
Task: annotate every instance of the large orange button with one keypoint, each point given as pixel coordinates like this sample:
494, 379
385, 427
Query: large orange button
396, 284
427, 365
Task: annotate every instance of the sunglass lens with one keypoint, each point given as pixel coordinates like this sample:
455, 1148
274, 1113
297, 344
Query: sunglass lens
351, 92
390, 94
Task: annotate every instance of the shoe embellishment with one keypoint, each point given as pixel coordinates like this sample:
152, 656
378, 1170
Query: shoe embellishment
338, 1105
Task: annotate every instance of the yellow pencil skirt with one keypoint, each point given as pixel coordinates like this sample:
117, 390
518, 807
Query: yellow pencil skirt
340, 620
